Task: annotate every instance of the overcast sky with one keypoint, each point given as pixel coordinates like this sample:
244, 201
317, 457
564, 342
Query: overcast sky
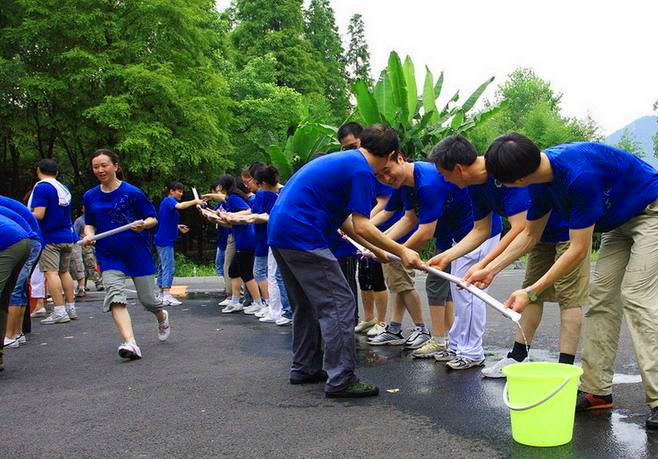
600, 54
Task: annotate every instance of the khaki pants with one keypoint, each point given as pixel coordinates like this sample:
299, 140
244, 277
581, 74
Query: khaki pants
625, 283
228, 258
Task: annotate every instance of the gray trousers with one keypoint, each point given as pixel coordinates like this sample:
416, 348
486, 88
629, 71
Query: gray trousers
323, 306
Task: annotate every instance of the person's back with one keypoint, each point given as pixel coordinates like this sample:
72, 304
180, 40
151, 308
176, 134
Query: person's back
56, 225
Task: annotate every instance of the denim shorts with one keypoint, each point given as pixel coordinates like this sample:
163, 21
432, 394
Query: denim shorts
19, 295
260, 269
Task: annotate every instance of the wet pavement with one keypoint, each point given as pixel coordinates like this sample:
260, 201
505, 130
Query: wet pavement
219, 387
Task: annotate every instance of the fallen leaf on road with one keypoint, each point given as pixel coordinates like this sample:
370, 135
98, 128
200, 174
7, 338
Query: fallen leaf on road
392, 391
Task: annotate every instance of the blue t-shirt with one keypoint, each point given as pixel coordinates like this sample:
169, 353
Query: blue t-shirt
23, 211
594, 184
243, 235
263, 203
435, 199
318, 198
128, 251
10, 232
56, 225
395, 204
10, 214
508, 201
168, 218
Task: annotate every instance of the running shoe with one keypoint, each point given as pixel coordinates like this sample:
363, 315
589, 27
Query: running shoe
253, 309
130, 351
21, 339
283, 321
387, 338
232, 307
652, 420
81, 293
163, 327
225, 302
462, 363
377, 329
429, 349
587, 402
169, 300
10, 343
356, 390
496, 370
364, 325
70, 310
263, 311
56, 318
445, 356
319, 377
41, 312
417, 338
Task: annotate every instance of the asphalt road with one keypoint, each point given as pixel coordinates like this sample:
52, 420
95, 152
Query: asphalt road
218, 387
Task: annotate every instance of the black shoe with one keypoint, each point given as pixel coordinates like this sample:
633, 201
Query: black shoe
652, 420
316, 378
356, 390
587, 402
100, 289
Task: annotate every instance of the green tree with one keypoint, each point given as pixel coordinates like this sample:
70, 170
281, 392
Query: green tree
321, 31
629, 143
358, 56
277, 27
135, 76
531, 107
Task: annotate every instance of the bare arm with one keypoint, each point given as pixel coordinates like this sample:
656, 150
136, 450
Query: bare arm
369, 232
39, 212
403, 225
381, 217
186, 204
381, 203
479, 234
424, 233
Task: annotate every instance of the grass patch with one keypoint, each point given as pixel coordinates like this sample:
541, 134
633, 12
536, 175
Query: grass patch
187, 268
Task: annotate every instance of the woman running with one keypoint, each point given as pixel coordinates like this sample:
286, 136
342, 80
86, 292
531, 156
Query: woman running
112, 204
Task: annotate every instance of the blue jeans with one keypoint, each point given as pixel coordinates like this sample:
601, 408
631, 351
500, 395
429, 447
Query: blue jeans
19, 295
219, 261
260, 269
167, 267
285, 303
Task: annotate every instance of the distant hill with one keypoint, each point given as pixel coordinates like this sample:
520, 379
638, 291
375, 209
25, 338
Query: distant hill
643, 129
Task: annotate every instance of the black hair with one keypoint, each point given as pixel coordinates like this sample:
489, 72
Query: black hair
267, 174
511, 157
254, 168
380, 140
114, 157
350, 128
173, 185
453, 150
48, 166
214, 184
230, 186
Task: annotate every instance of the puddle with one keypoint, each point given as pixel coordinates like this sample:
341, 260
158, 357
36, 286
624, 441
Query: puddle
631, 437
626, 379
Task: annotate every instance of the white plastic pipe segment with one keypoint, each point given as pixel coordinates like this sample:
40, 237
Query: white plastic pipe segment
484, 296
111, 232
194, 192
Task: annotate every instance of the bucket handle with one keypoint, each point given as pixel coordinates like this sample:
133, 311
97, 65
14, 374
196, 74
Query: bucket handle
545, 399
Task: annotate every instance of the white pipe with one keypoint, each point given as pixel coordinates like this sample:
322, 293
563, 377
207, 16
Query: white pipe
111, 232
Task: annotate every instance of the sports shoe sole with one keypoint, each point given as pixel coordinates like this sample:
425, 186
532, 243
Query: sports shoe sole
127, 354
369, 393
475, 365
394, 342
606, 406
409, 347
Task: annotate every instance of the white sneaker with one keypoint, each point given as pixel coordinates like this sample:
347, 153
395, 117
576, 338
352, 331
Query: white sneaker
130, 351
377, 329
225, 302
169, 300
270, 317
21, 339
163, 327
283, 321
262, 312
70, 310
253, 309
10, 343
496, 370
232, 307
56, 318
41, 312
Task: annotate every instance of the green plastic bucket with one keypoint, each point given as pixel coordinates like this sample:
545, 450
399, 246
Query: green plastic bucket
541, 397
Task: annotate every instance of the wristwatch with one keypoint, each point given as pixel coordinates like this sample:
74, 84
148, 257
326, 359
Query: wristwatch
532, 296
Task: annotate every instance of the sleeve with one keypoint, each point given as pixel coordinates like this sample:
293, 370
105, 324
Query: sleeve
90, 218
481, 207
16, 218
515, 200
586, 197
431, 199
236, 203
395, 202
143, 207
362, 193
383, 190
40, 195
540, 202
257, 204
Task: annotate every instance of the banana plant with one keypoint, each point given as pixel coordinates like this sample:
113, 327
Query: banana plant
309, 138
420, 123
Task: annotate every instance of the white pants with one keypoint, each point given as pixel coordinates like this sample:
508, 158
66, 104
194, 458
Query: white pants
465, 336
38, 284
273, 287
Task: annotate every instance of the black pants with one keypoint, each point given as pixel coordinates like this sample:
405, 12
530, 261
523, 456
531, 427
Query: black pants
371, 276
348, 267
242, 265
12, 260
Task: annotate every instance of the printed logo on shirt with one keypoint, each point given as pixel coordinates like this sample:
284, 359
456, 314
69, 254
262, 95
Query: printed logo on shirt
122, 211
